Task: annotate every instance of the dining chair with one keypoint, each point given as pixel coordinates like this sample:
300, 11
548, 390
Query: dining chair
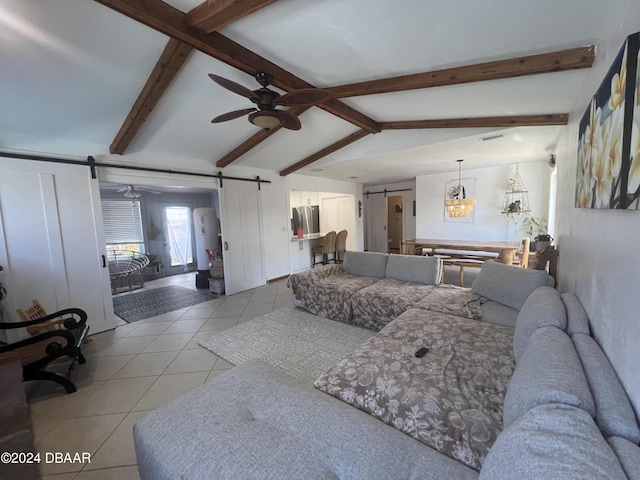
328, 247
521, 257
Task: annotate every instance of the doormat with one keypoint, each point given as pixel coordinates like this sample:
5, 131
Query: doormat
141, 305
303, 345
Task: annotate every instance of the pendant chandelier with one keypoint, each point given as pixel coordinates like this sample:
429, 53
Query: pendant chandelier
457, 204
516, 199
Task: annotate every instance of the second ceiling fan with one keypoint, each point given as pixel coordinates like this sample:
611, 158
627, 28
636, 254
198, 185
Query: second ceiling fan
265, 115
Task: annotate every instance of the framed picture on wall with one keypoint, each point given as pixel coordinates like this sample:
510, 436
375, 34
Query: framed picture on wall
608, 173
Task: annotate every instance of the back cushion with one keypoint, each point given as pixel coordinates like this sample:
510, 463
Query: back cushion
508, 285
628, 454
552, 442
543, 308
577, 318
548, 372
614, 413
414, 268
366, 264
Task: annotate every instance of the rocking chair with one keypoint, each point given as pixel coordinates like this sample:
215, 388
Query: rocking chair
36, 352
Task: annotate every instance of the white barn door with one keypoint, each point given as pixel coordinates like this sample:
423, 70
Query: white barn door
52, 240
241, 237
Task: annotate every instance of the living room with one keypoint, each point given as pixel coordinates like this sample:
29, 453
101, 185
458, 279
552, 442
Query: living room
72, 77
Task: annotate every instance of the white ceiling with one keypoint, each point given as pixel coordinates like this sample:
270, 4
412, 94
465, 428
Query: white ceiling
72, 69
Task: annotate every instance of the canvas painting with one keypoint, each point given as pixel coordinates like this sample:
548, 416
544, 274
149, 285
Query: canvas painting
633, 186
606, 177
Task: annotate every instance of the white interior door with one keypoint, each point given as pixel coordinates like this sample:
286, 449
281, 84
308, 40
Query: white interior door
241, 237
52, 240
376, 212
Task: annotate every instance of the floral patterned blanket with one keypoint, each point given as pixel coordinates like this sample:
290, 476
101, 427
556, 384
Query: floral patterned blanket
450, 399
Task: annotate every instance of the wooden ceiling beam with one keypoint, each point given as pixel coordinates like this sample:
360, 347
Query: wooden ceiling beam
479, 122
254, 140
214, 14
570, 59
172, 22
173, 57
325, 151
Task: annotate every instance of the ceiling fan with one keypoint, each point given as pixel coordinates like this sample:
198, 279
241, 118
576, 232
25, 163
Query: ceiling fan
131, 191
266, 115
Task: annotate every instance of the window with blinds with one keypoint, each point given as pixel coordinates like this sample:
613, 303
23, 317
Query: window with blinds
123, 225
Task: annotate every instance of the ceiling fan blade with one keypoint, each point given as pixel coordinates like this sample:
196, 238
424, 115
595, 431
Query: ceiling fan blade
289, 120
233, 87
305, 96
231, 115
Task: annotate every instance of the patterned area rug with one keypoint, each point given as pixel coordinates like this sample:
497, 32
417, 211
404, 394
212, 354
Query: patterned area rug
141, 305
303, 345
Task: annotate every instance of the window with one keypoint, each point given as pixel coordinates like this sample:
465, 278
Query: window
123, 225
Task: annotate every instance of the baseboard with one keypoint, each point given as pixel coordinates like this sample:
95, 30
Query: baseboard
284, 277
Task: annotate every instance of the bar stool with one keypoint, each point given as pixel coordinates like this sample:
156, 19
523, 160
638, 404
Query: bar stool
328, 246
341, 245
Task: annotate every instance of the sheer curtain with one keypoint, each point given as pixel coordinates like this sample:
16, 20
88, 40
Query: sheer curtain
178, 222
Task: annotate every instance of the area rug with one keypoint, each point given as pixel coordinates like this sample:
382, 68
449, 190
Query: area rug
156, 301
301, 344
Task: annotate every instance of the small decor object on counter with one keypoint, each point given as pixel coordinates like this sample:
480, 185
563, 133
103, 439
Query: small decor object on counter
300, 232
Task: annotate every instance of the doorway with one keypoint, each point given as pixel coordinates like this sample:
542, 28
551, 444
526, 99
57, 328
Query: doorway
178, 239
394, 224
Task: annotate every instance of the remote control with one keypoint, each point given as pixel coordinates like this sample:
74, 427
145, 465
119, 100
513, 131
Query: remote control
422, 352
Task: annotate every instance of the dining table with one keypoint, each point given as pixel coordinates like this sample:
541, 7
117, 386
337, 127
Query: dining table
505, 249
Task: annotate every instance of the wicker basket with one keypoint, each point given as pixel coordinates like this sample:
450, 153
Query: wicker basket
217, 268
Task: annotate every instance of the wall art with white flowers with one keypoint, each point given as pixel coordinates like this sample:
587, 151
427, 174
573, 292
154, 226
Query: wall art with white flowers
608, 173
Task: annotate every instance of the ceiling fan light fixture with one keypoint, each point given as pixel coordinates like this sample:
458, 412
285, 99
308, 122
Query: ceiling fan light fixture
266, 119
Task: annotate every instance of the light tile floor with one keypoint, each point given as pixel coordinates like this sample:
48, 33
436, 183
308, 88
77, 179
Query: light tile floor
132, 370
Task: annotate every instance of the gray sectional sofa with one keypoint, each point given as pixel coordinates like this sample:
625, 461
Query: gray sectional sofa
536, 399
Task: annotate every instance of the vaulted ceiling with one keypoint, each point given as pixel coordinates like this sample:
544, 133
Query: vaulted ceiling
417, 84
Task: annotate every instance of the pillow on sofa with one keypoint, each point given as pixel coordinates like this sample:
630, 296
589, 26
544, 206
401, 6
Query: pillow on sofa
543, 308
414, 268
552, 441
577, 318
628, 454
366, 264
506, 284
548, 372
614, 413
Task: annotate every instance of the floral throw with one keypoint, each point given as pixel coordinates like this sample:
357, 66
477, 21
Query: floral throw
377, 305
451, 399
327, 291
453, 300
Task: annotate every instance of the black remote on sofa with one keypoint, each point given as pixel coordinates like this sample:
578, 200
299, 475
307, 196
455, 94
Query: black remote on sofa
422, 352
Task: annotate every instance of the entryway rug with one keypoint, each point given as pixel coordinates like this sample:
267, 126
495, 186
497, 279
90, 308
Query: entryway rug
156, 301
301, 344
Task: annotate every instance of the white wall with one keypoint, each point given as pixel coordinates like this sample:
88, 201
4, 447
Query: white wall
599, 260
489, 223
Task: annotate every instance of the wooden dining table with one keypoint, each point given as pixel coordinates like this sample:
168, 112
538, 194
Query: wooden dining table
505, 250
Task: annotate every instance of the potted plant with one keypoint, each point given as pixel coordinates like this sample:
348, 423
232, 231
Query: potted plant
535, 227
543, 241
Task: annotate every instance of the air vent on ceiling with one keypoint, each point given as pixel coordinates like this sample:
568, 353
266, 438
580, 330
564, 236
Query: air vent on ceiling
492, 137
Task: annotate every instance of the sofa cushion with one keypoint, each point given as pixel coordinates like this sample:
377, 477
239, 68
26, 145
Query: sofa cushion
255, 421
366, 264
494, 312
628, 454
577, 318
552, 442
543, 308
548, 372
614, 413
507, 284
376, 305
413, 268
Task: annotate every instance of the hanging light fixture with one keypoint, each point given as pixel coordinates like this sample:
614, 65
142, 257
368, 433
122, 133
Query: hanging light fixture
516, 199
457, 204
